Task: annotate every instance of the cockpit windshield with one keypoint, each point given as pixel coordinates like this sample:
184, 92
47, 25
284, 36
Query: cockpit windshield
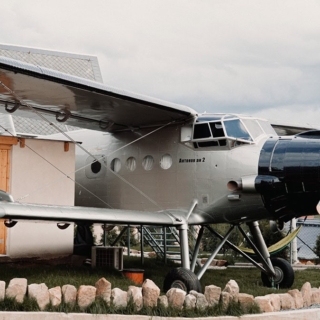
228, 130
236, 129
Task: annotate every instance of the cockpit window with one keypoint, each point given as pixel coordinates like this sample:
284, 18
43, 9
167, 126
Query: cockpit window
208, 118
216, 129
201, 131
236, 129
267, 128
224, 131
253, 127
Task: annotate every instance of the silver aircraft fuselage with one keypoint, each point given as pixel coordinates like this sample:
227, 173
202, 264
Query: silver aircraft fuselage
154, 171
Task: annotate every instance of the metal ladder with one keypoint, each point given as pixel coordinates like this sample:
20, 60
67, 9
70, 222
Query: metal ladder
165, 241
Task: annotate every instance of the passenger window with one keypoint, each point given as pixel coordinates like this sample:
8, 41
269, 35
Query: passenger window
131, 164
166, 161
201, 131
147, 163
115, 165
95, 166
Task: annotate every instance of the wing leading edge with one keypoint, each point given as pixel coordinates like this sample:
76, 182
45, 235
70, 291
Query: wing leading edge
18, 211
81, 102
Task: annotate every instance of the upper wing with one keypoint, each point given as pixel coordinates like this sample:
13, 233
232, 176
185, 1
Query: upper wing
79, 101
289, 130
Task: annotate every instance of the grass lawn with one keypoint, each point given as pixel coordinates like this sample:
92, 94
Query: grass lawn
248, 280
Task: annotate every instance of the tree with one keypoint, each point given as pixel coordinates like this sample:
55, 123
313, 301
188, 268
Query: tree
210, 242
316, 248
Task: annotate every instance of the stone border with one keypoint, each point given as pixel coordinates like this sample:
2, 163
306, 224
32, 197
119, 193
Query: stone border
149, 296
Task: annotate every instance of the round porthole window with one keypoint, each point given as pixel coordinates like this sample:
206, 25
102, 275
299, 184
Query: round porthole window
95, 167
147, 163
131, 164
166, 161
115, 165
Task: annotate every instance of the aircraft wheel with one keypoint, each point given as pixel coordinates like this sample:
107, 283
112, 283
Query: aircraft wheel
284, 274
182, 278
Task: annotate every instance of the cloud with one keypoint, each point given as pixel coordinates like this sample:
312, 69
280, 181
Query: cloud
224, 56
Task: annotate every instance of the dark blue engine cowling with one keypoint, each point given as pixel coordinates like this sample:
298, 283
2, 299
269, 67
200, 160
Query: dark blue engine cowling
289, 175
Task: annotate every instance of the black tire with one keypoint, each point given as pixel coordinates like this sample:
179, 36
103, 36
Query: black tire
182, 278
284, 274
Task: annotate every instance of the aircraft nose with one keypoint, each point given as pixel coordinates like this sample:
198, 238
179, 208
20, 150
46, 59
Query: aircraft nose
289, 175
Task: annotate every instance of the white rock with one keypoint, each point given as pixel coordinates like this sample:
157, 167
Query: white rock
306, 294
232, 288
287, 302
55, 296
69, 293
315, 296
212, 294
226, 298
103, 290
86, 296
17, 289
275, 301
264, 303
40, 293
176, 298
246, 300
135, 294
119, 298
2, 290
150, 293
201, 302
297, 297
190, 301
163, 301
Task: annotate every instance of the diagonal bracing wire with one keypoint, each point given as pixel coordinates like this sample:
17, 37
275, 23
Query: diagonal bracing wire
65, 174
19, 100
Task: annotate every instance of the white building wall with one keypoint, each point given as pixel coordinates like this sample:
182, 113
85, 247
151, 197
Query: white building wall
35, 180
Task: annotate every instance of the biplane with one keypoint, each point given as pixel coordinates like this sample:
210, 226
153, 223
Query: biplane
146, 161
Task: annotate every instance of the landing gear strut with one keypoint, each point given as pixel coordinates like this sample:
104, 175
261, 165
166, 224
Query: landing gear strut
182, 278
275, 272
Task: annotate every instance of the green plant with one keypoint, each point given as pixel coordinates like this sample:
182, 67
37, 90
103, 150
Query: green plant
112, 235
210, 242
316, 248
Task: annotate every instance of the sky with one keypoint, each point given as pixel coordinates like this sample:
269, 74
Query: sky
250, 57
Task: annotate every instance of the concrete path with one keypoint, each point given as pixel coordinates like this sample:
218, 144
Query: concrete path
291, 315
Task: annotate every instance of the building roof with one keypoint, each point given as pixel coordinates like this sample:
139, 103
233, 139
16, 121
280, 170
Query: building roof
85, 66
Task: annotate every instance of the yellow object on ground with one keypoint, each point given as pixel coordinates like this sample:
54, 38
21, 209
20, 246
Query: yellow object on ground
280, 245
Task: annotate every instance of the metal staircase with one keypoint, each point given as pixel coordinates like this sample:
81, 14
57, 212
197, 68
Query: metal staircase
165, 241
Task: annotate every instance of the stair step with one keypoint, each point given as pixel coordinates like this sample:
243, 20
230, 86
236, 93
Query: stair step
171, 246
161, 244
156, 239
173, 258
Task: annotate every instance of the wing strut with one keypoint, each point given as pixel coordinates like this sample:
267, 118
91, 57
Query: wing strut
63, 116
